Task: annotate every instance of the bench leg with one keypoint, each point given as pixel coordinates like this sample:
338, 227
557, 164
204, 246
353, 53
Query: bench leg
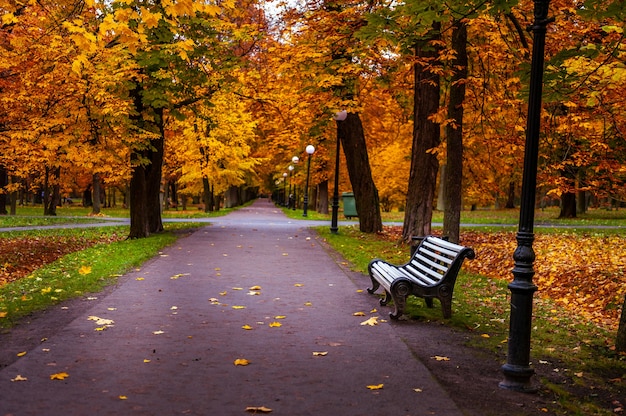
399, 293
445, 297
429, 302
375, 286
384, 301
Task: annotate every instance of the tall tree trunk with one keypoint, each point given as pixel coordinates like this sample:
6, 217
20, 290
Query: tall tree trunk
510, 200
4, 181
14, 196
53, 191
207, 195
365, 193
95, 186
454, 136
154, 176
145, 183
322, 200
441, 190
568, 205
426, 136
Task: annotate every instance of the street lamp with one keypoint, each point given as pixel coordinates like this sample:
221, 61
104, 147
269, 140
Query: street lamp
285, 189
310, 150
517, 370
291, 168
295, 161
339, 117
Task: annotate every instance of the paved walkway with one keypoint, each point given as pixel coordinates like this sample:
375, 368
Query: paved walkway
176, 329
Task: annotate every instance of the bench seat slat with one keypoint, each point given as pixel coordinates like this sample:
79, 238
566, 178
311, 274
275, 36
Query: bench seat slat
443, 250
422, 278
426, 266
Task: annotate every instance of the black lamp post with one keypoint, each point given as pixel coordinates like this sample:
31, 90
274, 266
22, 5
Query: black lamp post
310, 150
285, 189
339, 117
295, 161
517, 370
291, 168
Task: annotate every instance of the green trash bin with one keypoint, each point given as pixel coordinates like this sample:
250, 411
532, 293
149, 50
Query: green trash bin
349, 205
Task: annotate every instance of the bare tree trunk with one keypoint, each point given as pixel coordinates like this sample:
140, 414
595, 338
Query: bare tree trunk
365, 193
568, 205
454, 136
322, 200
4, 181
426, 137
95, 186
52, 193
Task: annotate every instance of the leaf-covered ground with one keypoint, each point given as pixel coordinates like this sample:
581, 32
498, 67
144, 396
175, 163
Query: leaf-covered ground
21, 256
584, 273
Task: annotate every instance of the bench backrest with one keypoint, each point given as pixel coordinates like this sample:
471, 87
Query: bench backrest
435, 259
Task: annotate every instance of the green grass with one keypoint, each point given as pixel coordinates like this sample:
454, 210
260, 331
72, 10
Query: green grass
29, 216
67, 278
577, 349
544, 218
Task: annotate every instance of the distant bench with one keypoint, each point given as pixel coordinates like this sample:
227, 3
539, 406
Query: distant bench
430, 273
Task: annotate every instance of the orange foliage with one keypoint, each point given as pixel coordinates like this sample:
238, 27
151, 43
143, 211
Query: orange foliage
585, 274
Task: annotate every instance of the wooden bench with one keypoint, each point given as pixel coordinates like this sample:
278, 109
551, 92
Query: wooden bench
430, 273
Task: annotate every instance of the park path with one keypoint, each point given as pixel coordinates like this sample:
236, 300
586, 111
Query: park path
165, 341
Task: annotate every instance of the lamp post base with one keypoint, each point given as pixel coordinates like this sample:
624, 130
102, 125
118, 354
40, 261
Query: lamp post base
517, 378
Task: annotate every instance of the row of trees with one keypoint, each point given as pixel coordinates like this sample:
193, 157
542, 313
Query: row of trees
210, 95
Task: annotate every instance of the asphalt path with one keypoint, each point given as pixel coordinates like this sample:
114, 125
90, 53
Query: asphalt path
254, 286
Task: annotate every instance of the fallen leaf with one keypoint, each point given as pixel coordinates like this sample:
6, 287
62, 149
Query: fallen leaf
140, 278
241, 361
59, 376
280, 317
371, 322
122, 397
275, 324
440, 358
111, 309
238, 307
173, 308
374, 310
308, 304
375, 386
238, 288
246, 327
223, 293
158, 332
298, 285
19, 378
101, 321
262, 409
358, 314
417, 390
146, 360
255, 288
3, 314
485, 335
253, 293
320, 353
84, 270
21, 354
285, 254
